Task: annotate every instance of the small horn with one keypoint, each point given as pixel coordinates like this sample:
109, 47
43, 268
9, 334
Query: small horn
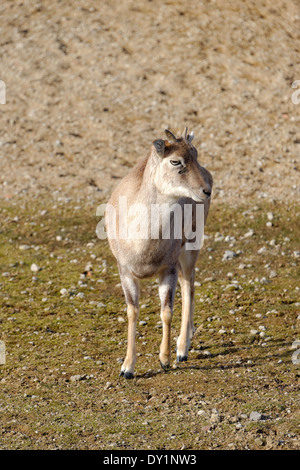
171, 137
185, 134
190, 137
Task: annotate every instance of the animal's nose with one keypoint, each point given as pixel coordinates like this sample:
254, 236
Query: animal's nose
207, 192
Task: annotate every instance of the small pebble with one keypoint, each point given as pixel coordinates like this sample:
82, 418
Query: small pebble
229, 255
24, 247
215, 418
255, 416
77, 377
250, 233
34, 268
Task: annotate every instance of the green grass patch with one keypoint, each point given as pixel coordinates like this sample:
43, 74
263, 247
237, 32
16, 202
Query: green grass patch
60, 386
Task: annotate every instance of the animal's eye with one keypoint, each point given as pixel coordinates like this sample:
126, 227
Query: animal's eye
175, 162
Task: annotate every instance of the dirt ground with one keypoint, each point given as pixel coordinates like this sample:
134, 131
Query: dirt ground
90, 85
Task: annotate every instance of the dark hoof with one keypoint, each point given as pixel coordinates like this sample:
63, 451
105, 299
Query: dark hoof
181, 358
127, 375
165, 367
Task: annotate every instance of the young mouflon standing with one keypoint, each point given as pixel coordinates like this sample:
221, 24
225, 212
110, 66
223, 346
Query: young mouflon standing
170, 176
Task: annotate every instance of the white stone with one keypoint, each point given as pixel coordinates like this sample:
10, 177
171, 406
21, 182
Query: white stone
255, 416
34, 268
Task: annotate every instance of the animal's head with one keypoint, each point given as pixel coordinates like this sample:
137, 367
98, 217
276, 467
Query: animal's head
177, 172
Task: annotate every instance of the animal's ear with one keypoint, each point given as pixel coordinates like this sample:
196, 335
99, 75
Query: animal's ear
170, 136
159, 145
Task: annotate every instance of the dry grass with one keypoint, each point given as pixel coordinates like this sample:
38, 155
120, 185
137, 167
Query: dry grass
60, 387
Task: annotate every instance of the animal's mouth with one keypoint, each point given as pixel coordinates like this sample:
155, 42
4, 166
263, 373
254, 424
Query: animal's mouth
197, 198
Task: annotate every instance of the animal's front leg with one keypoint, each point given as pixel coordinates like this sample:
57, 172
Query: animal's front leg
186, 279
187, 327
167, 287
131, 289
127, 368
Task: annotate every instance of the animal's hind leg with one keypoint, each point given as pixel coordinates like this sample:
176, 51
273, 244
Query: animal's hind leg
187, 261
131, 290
167, 286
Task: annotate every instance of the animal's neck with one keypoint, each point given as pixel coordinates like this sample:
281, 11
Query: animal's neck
148, 193
158, 209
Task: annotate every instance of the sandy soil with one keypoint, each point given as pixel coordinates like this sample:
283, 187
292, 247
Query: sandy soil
89, 86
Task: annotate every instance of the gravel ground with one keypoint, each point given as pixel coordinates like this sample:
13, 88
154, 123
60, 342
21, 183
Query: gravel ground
63, 322
89, 86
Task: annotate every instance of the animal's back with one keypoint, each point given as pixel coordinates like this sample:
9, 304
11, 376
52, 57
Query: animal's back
130, 184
